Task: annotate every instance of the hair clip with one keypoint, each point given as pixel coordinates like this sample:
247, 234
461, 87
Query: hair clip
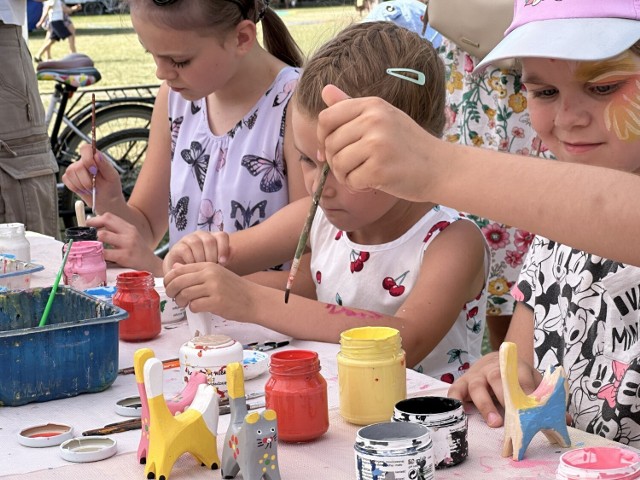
401, 73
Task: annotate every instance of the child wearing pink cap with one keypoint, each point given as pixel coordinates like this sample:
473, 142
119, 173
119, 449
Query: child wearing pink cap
581, 67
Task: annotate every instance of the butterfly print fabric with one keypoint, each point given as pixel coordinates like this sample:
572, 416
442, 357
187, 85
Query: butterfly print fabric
233, 180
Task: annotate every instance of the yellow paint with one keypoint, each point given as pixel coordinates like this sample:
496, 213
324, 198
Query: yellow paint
371, 374
235, 380
509, 365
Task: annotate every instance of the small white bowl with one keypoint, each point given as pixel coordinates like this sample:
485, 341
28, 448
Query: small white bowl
88, 449
46, 435
254, 363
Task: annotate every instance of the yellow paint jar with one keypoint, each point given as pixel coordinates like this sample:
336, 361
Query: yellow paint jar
372, 374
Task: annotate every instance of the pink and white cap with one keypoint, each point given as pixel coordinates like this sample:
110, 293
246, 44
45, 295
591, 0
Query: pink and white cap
582, 30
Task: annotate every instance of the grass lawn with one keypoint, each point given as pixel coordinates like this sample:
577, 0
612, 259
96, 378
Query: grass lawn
112, 43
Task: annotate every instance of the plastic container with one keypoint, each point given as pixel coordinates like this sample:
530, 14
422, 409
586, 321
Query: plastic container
372, 374
76, 352
398, 450
598, 463
135, 294
85, 267
447, 422
13, 240
210, 354
16, 274
298, 394
170, 312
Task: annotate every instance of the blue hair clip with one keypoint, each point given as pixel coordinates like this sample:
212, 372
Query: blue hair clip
402, 74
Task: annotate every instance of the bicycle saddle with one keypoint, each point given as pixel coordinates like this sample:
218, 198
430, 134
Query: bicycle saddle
75, 69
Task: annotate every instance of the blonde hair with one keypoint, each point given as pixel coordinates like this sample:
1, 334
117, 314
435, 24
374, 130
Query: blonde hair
356, 61
219, 16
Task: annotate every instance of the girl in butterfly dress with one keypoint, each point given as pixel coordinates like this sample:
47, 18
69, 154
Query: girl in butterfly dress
375, 259
576, 309
220, 153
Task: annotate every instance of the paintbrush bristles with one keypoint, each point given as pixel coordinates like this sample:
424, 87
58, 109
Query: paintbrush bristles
304, 236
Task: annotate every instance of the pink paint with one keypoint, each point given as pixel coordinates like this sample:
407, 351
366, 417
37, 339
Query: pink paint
599, 463
85, 267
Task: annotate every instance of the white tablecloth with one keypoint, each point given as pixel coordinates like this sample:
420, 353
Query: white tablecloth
330, 457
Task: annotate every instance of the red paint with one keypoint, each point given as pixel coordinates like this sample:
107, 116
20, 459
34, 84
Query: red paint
45, 434
298, 394
136, 295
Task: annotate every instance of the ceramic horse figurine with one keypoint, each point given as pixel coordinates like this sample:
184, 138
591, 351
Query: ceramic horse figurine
250, 445
193, 431
525, 415
176, 405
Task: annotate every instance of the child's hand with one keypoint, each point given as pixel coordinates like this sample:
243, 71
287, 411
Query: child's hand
361, 137
78, 178
482, 383
208, 287
197, 247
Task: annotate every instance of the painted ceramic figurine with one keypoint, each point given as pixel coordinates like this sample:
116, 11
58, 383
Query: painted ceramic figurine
251, 444
525, 415
192, 431
176, 405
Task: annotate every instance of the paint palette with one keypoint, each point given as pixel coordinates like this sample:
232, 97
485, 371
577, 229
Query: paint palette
254, 363
16, 274
46, 435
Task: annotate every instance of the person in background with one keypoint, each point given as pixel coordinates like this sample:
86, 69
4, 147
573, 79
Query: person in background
375, 260
221, 156
56, 20
27, 166
575, 308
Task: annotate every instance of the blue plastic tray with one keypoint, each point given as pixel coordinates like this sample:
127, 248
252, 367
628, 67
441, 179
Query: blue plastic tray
76, 352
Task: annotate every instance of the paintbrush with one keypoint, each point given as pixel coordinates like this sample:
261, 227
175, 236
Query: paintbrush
166, 364
93, 150
54, 289
304, 236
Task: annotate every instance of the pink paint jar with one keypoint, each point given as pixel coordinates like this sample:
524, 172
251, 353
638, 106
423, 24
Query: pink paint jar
136, 295
599, 463
85, 267
298, 394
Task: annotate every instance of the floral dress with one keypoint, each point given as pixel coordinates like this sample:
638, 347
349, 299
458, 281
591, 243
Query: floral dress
489, 110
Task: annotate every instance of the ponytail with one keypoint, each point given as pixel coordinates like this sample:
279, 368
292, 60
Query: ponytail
278, 40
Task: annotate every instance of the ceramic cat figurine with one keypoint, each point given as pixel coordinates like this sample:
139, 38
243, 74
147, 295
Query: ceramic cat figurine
251, 443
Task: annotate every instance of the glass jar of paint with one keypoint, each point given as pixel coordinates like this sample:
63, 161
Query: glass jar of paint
136, 295
591, 463
446, 421
298, 393
372, 374
394, 450
13, 240
85, 267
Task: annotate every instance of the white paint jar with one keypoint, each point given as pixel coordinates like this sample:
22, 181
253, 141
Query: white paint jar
210, 354
170, 312
13, 240
597, 463
446, 421
401, 449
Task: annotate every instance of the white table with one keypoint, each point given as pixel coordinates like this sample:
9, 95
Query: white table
330, 457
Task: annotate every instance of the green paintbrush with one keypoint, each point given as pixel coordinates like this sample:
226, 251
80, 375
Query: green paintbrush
54, 289
304, 236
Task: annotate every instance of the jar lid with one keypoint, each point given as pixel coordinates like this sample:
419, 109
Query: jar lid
88, 449
129, 407
210, 351
211, 342
610, 462
46, 435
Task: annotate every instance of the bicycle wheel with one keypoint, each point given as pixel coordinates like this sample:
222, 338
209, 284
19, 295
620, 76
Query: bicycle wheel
127, 148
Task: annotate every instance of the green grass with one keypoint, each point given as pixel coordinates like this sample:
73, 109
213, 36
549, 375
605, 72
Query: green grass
112, 43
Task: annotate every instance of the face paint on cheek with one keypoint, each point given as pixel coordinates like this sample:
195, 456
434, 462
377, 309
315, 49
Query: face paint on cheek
622, 114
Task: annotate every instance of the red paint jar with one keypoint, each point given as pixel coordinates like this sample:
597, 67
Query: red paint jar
136, 295
298, 394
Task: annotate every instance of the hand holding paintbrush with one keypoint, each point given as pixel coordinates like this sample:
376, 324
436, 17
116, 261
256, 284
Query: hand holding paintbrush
304, 236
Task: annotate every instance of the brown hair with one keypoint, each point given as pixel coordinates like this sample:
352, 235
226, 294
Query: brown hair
223, 15
356, 61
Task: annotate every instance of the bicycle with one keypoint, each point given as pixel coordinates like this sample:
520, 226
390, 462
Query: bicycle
123, 116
